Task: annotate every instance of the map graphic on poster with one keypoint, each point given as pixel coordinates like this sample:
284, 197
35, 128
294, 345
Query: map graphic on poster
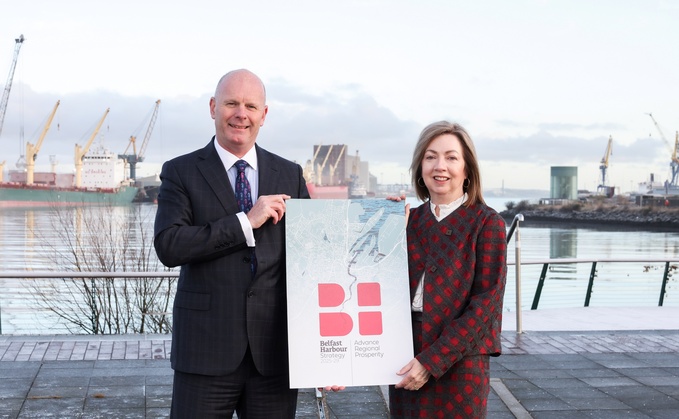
347, 290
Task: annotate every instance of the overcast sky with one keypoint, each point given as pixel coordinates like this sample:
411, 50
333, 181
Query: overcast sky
537, 83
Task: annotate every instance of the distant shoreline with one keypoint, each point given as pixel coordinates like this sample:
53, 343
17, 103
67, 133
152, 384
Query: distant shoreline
605, 216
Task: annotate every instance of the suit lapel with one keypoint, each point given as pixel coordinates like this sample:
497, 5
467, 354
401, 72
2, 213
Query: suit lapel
268, 172
213, 171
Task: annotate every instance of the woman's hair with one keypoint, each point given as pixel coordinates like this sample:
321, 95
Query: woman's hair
429, 134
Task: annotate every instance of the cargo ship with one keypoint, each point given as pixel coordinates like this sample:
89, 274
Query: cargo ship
99, 178
328, 192
102, 183
17, 195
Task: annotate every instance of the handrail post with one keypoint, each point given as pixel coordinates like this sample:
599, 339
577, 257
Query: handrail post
663, 287
538, 289
590, 285
517, 247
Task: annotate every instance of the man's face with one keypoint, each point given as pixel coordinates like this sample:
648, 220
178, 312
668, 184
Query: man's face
239, 109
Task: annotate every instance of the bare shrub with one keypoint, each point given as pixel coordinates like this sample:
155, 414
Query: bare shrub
105, 239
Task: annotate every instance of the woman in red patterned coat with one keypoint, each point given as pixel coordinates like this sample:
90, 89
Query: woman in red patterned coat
457, 266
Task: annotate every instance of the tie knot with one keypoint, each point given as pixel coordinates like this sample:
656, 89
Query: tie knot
241, 165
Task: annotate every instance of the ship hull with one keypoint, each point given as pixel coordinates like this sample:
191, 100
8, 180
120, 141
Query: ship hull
328, 192
37, 196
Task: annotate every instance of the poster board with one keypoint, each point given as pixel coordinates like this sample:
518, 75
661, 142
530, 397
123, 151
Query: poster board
348, 297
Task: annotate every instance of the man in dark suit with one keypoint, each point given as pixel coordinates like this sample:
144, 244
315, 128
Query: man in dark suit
229, 343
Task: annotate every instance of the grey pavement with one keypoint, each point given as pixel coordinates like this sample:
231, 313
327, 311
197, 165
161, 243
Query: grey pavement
550, 370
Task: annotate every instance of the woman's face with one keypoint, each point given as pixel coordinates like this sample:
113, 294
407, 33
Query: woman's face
443, 169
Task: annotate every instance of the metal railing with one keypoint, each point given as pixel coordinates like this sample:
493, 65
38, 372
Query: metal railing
547, 263
514, 227
671, 266
83, 275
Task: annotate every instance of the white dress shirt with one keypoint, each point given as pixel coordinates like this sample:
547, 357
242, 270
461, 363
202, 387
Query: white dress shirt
229, 160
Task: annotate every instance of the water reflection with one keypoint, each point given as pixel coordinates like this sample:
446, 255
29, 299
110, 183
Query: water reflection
30, 239
563, 243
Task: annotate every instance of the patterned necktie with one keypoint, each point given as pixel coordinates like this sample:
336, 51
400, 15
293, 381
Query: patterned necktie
243, 193
244, 199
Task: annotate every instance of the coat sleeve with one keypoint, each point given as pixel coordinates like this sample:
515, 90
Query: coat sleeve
477, 329
189, 227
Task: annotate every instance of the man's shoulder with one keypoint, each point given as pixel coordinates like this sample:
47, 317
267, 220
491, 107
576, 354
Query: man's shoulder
200, 153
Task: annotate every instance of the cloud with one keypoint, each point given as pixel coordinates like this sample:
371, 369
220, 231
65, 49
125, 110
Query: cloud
298, 119
543, 147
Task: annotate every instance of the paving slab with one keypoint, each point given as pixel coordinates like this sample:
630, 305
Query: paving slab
542, 374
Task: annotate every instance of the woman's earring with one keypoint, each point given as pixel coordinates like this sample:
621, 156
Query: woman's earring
420, 184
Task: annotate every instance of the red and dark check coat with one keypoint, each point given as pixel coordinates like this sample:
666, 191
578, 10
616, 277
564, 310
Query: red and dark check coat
464, 261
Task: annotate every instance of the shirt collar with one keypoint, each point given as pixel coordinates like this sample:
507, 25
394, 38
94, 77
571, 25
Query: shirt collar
228, 159
447, 209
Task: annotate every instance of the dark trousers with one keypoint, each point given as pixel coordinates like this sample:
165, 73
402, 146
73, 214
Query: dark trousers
245, 391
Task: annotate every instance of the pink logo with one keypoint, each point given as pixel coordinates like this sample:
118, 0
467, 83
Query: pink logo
341, 324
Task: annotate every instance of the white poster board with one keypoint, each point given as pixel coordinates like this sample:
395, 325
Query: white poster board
349, 320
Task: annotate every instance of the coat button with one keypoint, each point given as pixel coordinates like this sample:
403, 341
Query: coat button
251, 294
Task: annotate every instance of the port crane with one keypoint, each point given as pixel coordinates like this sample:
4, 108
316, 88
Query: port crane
320, 167
333, 167
32, 150
134, 158
603, 188
309, 174
81, 151
8, 85
674, 162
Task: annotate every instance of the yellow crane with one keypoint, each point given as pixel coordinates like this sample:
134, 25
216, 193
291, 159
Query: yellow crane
320, 167
80, 152
32, 150
309, 174
134, 158
674, 162
604, 161
333, 167
603, 188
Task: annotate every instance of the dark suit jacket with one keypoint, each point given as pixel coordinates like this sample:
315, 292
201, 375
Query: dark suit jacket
219, 308
464, 259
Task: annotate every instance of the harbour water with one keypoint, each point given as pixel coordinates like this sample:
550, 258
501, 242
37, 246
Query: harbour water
47, 239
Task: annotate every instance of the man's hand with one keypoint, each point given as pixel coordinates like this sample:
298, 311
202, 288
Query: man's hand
267, 206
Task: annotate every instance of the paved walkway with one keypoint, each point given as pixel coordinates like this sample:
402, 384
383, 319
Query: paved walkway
548, 371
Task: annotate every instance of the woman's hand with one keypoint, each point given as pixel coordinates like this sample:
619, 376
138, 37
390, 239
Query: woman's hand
399, 199
415, 376
332, 388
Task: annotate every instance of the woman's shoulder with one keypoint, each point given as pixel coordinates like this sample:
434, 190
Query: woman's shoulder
483, 211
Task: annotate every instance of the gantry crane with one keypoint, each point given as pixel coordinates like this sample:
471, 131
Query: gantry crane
674, 162
32, 150
134, 158
603, 166
8, 86
80, 152
320, 167
604, 161
333, 167
354, 169
309, 174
